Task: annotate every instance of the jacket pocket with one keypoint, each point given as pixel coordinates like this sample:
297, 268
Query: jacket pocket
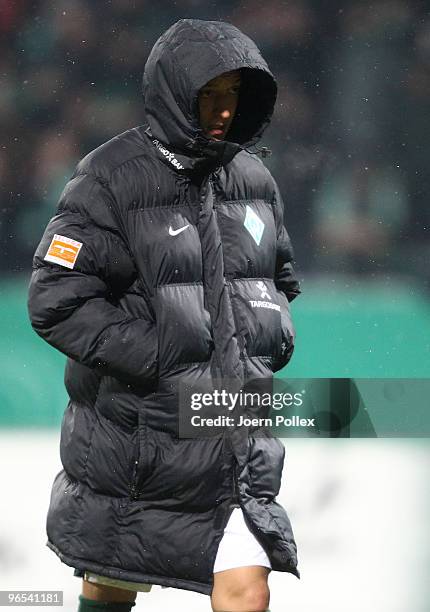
288, 334
144, 456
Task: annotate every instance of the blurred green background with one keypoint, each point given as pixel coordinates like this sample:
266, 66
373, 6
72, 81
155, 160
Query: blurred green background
344, 329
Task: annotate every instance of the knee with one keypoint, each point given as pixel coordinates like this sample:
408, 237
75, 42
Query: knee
256, 596
252, 597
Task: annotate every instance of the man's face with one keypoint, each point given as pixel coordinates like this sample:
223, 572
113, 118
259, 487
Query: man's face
217, 104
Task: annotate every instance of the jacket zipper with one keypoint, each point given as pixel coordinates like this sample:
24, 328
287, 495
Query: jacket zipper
218, 362
241, 341
235, 500
133, 491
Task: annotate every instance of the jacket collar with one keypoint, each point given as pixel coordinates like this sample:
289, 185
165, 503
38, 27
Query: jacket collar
208, 155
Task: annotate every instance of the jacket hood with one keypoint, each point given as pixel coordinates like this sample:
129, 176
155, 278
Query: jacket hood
188, 55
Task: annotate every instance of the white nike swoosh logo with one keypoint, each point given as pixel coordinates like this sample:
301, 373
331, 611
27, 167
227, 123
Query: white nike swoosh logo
175, 232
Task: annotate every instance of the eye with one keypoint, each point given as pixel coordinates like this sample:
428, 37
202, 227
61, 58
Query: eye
235, 90
205, 93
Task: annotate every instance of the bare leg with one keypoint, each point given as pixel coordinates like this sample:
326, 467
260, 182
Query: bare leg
243, 589
101, 592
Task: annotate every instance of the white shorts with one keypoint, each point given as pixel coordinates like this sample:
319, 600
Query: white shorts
238, 546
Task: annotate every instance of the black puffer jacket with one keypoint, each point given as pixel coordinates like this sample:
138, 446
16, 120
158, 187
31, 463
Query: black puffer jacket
138, 306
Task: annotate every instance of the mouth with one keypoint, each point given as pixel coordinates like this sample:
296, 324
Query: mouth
216, 131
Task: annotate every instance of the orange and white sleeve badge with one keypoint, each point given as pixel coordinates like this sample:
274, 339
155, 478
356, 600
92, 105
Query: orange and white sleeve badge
63, 251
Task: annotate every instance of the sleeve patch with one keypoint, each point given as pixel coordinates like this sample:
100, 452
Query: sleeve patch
63, 251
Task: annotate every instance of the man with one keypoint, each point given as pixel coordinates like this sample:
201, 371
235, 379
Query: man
168, 264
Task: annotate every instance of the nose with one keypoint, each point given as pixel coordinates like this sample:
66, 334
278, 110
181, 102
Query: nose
220, 109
